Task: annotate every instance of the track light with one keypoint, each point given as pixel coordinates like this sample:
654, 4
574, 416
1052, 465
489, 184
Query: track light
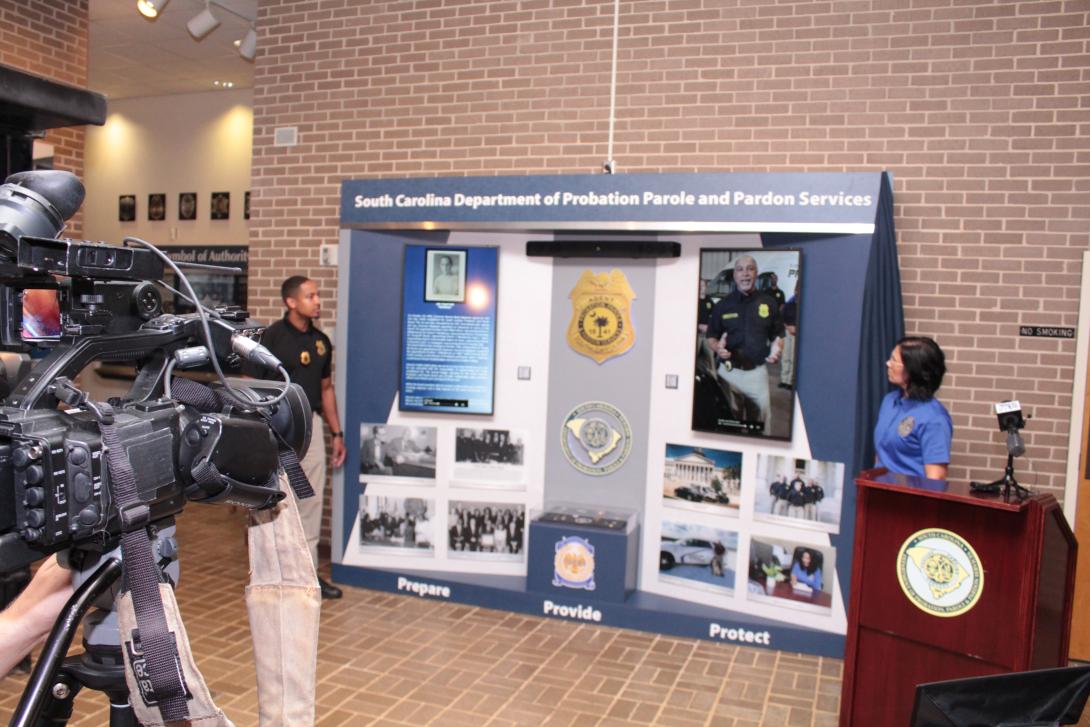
248, 47
151, 8
203, 22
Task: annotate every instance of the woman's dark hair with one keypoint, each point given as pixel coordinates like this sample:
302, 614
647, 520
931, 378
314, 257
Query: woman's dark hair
924, 364
813, 561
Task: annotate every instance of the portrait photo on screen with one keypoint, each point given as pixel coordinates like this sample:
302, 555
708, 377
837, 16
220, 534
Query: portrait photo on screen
746, 348
445, 276
787, 573
492, 458
486, 531
697, 556
702, 478
393, 451
803, 493
406, 524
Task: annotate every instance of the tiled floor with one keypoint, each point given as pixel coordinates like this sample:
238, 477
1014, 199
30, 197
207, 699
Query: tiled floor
404, 660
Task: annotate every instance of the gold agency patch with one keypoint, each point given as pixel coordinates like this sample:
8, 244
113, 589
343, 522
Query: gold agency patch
601, 323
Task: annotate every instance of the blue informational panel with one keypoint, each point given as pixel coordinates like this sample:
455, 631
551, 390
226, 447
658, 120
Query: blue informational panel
448, 330
722, 518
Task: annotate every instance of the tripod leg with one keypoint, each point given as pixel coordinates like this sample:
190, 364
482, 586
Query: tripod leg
57, 709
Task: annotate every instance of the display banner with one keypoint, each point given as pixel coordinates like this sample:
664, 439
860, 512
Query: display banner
763, 202
448, 329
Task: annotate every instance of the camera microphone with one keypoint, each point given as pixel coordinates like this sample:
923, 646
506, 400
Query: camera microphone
1016, 446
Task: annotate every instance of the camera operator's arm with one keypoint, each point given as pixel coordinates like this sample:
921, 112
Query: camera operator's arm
29, 619
332, 420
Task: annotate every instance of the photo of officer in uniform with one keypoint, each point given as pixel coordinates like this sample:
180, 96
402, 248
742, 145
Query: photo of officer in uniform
445, 276
740, 343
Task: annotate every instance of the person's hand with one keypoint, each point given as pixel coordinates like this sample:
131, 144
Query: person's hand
29, 619
339, 452
794, 580
721, 348
702, 328
776, 352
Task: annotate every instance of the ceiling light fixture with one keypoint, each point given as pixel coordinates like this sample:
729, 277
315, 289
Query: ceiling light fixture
247, 48
151, 8
203, 22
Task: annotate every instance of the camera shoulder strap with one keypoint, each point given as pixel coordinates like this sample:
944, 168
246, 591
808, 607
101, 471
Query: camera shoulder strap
162, 682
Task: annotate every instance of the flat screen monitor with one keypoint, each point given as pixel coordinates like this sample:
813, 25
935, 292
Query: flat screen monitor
747, 360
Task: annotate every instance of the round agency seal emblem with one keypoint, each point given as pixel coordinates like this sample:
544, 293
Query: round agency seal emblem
596, 438
573, 564
940, 572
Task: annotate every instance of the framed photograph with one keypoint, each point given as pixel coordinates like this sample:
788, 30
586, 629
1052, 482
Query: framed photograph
489, 458
398, 524
697, 556
802, 493
221, 206
445, 276
702, 479
746, 352
787, 573
486, 530
157, 207
393, 451
126, 208
187, 206
246, 205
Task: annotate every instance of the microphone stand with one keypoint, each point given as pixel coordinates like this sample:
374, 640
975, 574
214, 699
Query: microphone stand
1007, 481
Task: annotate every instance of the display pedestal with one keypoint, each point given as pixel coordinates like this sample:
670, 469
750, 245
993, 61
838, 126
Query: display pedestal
908, 624
582, 561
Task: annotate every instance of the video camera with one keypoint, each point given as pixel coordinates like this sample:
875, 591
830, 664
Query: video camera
184, 445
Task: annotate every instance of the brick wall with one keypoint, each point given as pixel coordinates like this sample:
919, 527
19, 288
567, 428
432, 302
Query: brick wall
981, 110
49, 39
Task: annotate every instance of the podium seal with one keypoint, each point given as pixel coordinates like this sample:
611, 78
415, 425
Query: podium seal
939, 572
573, 564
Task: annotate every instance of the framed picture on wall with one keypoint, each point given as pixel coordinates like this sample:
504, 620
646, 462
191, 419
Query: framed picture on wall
187, 206
157, 207
803, 493
126, 208
445, 276
702, 479
406, 524
698, 556
746, 352
486, 530
246, 205
788, 573
221, 206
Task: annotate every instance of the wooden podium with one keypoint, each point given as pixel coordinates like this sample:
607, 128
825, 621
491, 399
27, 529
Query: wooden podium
897, 637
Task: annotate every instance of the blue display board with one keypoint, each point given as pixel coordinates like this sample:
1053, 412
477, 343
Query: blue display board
448, 331
853, 316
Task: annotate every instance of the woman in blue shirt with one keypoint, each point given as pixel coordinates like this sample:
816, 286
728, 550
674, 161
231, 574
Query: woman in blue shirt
805, 570
913, 433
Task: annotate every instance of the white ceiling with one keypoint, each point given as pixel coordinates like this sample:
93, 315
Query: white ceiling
130, 55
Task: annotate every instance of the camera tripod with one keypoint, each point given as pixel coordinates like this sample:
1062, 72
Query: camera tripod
51, 691
1007, 483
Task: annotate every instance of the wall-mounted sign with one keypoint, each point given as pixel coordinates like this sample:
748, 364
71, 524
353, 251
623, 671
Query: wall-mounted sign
1046, 332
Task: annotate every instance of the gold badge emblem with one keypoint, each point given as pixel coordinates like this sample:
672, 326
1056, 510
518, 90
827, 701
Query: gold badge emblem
762, 310
906, 426
319, 346
304, 358
601, 324
940, 572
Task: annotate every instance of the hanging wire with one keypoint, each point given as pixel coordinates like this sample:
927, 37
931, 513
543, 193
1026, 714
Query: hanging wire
608, 166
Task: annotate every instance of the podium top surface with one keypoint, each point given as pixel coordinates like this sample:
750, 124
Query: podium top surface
882, 479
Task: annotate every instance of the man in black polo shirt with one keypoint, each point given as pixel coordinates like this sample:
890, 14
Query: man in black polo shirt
307, 354
746, 332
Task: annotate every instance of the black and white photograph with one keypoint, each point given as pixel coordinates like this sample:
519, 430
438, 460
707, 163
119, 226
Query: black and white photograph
221, 206
394, 451
746, 352
787, 573
157, 207
492, 458
405, 523
799, 492
187, 206
445, 276
702, 478
486, 530
126, 208
698, 556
